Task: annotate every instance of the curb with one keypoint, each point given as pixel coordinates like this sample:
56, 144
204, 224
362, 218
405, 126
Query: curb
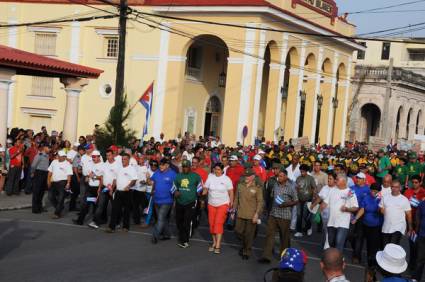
21, 207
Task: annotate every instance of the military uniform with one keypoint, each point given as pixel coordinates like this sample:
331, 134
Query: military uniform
248, 202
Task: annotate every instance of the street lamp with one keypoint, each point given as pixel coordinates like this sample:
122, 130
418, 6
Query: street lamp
284, 92
335, 102
319, 101
303, 95
222, 79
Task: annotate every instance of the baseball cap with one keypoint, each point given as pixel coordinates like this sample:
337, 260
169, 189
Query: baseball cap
361, 175
61, 154
95, 153
186, 163
2, 149
164, 161
249, 171
76, 144
293, 259
257, 157
113, 148
233, 158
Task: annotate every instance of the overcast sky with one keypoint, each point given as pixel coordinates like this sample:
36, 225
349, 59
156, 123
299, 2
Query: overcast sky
370, 22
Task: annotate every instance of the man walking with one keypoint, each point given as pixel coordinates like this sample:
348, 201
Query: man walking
187, 183
284, 198
59, 180
39, 173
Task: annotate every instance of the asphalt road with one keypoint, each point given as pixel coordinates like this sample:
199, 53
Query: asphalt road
38, 248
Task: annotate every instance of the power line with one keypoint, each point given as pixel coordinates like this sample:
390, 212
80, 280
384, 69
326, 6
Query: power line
386, 7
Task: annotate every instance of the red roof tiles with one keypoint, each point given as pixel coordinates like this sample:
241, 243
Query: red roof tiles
33, 64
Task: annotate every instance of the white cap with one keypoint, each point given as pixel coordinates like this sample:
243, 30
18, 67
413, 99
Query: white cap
257, 157
2, 149
95, 153
392, 259
361, 175
76, 144
233, 158
61, 154
9, 141
261, 152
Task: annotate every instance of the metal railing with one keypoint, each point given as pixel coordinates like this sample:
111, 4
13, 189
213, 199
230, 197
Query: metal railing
381, 73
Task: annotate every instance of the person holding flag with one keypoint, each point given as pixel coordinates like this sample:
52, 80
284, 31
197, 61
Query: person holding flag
188, 184
163, 190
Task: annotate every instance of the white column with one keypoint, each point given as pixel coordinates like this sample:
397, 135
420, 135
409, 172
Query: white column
74, 54
73, 88
316, 92
5, 81
258, 84
160, 83
299, 88
346, 96
284, 53
245, 95
12, 42
333, 94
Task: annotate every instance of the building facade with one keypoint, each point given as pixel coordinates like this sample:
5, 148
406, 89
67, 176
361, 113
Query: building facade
388, 95
267, 68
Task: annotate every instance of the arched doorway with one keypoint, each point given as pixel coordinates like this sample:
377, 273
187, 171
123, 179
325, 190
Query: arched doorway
370, 120
397, 126
264, 92
212, 117
409, 117
418, 121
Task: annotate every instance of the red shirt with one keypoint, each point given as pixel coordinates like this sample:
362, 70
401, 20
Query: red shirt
31, 152
260, 172
370, 179
15, 156
202, 173
420, 195
235, 173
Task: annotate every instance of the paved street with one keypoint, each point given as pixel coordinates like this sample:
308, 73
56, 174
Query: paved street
37, 248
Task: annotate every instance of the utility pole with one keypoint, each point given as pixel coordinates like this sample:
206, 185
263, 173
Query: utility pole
385, 124
119, 81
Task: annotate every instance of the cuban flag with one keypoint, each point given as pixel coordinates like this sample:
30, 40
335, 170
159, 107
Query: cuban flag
146, 101
279, 200
173, 189
199, 187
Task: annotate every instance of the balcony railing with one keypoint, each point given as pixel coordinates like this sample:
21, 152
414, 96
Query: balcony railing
381, 73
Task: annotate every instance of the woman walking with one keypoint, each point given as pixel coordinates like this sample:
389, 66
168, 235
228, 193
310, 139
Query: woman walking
220, 199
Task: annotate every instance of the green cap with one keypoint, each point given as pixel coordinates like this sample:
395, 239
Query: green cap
413, 155
249, 172
276, 165
186, 163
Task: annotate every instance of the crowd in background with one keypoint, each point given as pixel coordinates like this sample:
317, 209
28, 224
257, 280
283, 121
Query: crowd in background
355, 197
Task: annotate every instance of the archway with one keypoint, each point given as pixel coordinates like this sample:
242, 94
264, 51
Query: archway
212, 125
205, 85
307, 95
263, 95
370, 121
340, 73
397, 126
409, 117
326, 70
292, 56
418, 121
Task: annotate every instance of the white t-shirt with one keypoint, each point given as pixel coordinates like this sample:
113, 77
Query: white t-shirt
60, 170
96, 170
133, 162
71, 155
118, 158
395, 208
218, 188
188, 155
293, 174
323, 194
110, 171
141, 172
125, 176
335, 200
86, 162
385, 191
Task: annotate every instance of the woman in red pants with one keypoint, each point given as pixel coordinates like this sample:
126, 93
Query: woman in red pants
220, 199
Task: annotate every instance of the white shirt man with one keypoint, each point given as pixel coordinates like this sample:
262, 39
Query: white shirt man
337, 198
110, 172
73, 152
142, 172
95, 170
125, 176
293, 172
60, 170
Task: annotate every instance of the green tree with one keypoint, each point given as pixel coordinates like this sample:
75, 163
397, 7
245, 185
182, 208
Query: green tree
115, 130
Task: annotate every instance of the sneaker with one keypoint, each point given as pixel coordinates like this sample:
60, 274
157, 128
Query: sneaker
298, 235
93, 225
183, 245
309, 232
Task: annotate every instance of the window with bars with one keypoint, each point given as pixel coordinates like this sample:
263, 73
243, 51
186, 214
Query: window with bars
45, 43
111, 47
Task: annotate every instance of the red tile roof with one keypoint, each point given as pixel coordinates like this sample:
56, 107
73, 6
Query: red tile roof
27, 63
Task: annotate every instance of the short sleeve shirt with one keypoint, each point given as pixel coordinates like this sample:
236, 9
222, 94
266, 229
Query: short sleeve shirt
335, 200
218, 189
395, 208
60, 170
125, 176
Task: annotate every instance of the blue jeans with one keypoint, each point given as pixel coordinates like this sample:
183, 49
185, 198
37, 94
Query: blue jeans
337, 237
162, 224
303, 216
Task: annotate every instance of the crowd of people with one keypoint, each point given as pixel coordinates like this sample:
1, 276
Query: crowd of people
353, 195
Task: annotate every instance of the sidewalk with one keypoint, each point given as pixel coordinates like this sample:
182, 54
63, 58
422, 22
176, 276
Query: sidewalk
15, 202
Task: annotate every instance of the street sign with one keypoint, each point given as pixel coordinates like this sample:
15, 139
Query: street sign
245, 131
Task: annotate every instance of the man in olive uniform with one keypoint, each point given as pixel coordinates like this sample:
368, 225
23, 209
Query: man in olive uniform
186, 184
248, 204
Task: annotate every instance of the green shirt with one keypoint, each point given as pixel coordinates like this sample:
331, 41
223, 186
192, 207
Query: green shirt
187, 184
414, 168
382, 164
400, 173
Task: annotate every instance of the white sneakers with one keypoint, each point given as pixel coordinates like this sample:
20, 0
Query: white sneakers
93, 225
298, 234
183, 245
309, 232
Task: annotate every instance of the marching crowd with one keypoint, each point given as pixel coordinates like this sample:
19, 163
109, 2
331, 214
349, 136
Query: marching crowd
353, 195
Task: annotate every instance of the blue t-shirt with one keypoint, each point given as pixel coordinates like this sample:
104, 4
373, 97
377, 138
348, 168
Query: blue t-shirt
421, 210
361, 192
372, 217
163, 183
395, 279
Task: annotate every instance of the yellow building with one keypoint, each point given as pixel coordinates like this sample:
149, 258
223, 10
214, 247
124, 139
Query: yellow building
273, 66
